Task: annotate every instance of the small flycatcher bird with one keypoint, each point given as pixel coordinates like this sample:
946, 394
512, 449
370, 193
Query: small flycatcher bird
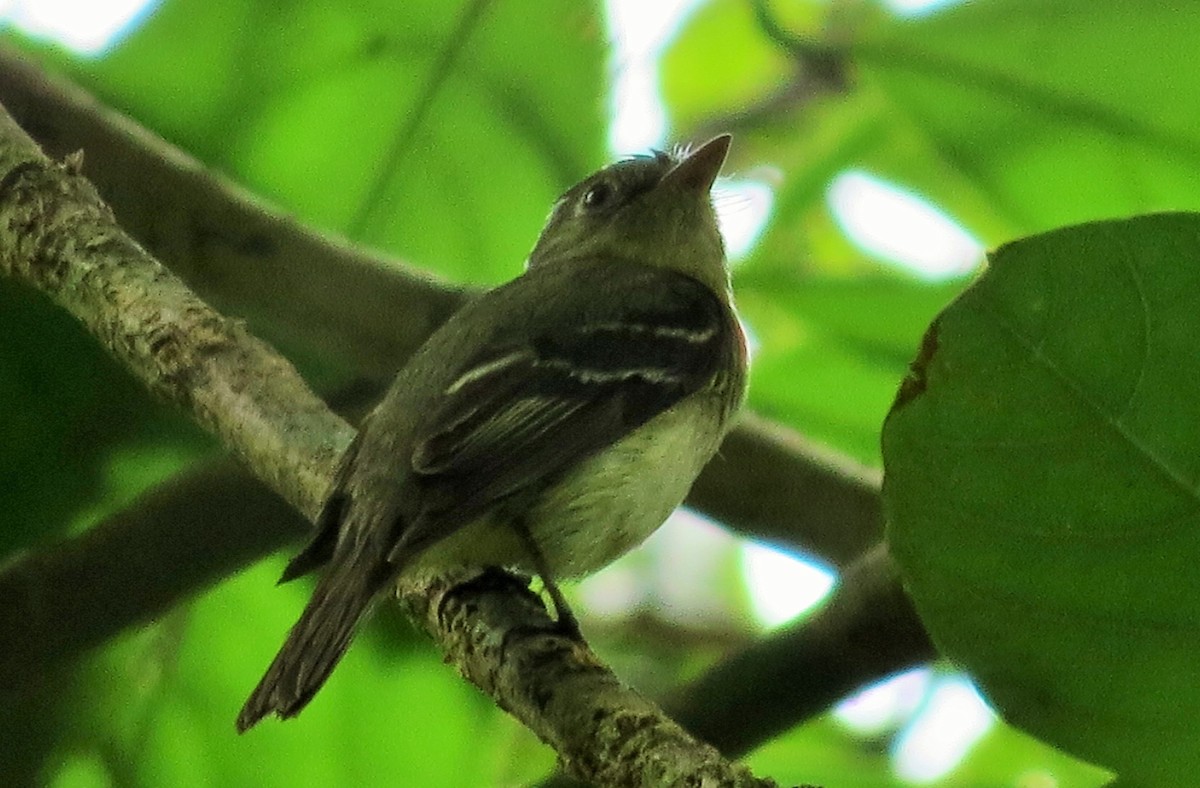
548, 426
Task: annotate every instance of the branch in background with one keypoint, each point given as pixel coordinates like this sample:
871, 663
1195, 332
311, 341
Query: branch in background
56, 235
825, 64
242, 520
56, 603
867, 630
770, 482
373, 313
822, 69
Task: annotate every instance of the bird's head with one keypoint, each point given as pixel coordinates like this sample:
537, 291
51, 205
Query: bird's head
655, 210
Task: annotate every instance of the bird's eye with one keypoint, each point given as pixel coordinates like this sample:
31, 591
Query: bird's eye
597, 197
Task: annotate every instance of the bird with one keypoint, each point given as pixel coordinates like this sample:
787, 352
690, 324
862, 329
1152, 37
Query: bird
548, 426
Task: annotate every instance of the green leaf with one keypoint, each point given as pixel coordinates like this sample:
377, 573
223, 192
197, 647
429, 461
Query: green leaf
822, 752
1045, 112
1041, 473
1006, 756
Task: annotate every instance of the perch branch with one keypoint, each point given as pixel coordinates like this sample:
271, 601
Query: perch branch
867, 631
604, 732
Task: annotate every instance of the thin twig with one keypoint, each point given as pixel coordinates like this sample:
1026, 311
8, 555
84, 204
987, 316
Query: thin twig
402, 144
823, 62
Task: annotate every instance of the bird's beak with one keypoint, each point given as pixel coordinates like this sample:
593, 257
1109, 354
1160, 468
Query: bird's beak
699, 169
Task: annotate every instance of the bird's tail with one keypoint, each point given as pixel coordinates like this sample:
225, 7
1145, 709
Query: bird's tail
315, 644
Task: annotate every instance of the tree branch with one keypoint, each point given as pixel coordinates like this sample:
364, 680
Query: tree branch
55, 603
604, 732
770, 482
867, 630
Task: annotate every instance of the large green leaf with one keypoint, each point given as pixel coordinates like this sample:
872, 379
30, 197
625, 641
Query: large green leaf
823, 752
1041, 472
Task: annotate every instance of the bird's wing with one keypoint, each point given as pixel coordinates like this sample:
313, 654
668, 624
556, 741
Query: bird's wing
517, 413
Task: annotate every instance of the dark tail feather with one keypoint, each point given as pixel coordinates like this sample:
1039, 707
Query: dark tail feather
315, 644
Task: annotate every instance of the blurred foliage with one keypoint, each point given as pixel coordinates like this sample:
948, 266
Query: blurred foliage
442, 132
400, 125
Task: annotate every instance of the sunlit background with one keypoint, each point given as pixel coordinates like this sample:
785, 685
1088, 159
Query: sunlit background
940, 716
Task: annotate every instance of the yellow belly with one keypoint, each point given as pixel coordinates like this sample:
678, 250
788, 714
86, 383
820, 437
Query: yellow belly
607, 505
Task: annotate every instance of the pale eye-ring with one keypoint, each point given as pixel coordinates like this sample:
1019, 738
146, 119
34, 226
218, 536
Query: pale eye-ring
599, 196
